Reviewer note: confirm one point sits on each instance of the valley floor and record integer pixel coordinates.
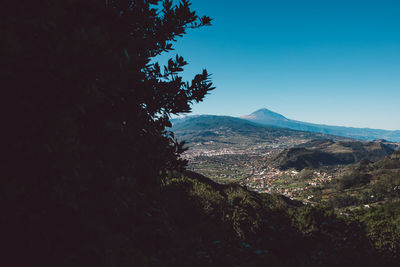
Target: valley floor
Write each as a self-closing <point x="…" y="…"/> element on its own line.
<point x="252" y="168"/>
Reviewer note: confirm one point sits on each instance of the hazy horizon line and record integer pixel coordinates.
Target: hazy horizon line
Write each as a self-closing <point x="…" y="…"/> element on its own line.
<point x="304" y="121"/>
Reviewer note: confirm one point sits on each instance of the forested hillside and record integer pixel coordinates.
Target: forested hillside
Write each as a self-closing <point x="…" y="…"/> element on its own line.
<point x="320" y="153"/>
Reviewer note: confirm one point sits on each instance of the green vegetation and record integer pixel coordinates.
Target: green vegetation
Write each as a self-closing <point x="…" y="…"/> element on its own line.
<point x="85" y="140"/>
<point x="231" y="225"/>
<point x="346" y="187"/>
<point x="93" y="178"/>
<point x="319" y="153"/>
<point x="356" y="178"/>
<point x="369" y="183"/>
<point x="305" y="174"/>
<point x="382" y="226"/>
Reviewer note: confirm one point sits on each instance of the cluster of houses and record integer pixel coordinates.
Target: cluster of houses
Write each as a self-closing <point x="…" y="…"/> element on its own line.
<point x="201" y="152"/>
<point x="273" y="180"/>
<point x="320" y="178"/>
<point x="223" y="164"/>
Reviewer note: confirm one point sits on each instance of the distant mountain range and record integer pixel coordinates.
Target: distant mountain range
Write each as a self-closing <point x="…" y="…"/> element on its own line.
<point x="267" y="117"/>
<point x="225" y="131"/>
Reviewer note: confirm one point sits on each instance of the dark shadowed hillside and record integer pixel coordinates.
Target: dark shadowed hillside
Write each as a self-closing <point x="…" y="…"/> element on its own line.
<point x="227" y="225"/>
<point x="369" y="183"/>
<point x="318" y="153"/>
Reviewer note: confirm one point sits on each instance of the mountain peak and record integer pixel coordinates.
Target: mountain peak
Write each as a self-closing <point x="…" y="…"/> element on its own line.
<point x="267" y="117"/>
<point x="265" y="114"/>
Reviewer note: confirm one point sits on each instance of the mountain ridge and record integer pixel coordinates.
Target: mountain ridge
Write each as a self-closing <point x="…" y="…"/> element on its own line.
<point x="326" y="152"/>
<point x="265" y="114"/>
<point x="229" y="130"/>
<point x="267" y="117"/>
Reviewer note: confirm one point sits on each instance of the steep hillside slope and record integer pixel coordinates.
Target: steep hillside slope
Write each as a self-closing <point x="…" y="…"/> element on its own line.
<point x="227" y="225"/>
<point x="318" y="153"/>
<point x="369" y="183"/>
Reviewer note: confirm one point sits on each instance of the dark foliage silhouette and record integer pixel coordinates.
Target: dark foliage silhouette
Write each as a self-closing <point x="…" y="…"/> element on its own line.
<point x="86" y="111"/>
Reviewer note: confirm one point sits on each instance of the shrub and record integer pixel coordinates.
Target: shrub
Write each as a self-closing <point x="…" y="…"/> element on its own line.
<point x="383" y="227"/>
<point x="305" y="174"/>
<point x="344" y="201"/>
<point x="354" y="179"/>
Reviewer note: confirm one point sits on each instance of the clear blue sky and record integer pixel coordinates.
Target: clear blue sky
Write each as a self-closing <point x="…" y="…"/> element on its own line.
<point x="324" y="61"/>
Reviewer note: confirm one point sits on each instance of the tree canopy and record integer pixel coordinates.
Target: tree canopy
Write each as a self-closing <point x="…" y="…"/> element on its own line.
<point x="87" y="107"/>
<point x="84" y="94"/>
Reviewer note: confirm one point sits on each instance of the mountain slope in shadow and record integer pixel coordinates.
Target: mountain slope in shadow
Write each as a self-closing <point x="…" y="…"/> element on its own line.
<point x="319" y="153"/>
